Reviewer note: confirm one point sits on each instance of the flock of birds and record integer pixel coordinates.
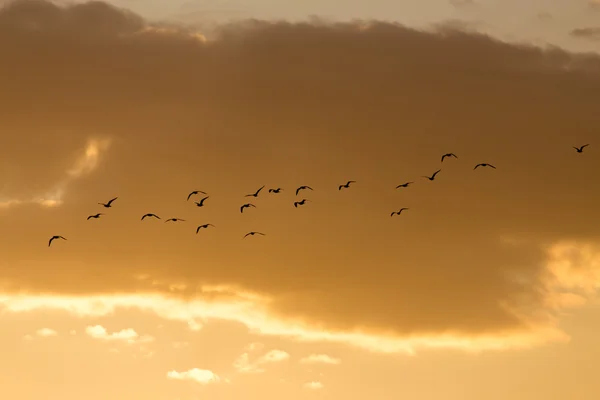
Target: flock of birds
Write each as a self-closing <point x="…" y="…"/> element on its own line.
<point x="275" y="191"/>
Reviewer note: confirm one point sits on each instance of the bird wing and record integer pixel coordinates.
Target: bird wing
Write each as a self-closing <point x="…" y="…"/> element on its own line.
<point x="478" y="165"/>
<point x="444" y="156"/>
<point x="585" y="145"/>
<point x="198" y="229"/>
<point x="260" y="233"/>
<point x="50" y="241"/>
<point x="202" y="201"/>
<point x="111" y="200"/>
<point x="297" y="190"/>
<point x="392" y="214"/>
<point x="190" y="195"/>
<point x="261" y="188"/>
<point x="308" y="187"/>
<point x="89" y="217"/>
<point x="435" y="173"/>
<point x="490" y="165"/>
<point x="247" y="234"/>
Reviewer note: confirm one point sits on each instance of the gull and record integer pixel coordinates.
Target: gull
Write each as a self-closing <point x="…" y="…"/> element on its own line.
<point x="175" y="219"/>
<point x="580" y="149"/>
<point x="55" y="237"/>
<point x="484" y="165"/>
<point x="399" y="212"/>
<point x="150" y="215"/>
<point x="302" y="188"/>
<point x="347" y="185"/>
<point x="275" y="190"/>
<point x="448" y="155"/>
<point x="432" y="177"/>
<point x="256" y="193"/>
<point x="403" y="185"/>
<point x="246" y="206"/>
<point x="300" y="203"/>
<point x="252" y="234"/>
<point x="201" y="202"/>
<point x="108" y="205"/>
<point x="195" y="192"/>
<point x="95" y="216"/>
<point x="203" y="226"/>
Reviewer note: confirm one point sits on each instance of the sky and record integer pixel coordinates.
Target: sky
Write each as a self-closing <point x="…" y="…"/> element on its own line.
<point x="485" y="287"/>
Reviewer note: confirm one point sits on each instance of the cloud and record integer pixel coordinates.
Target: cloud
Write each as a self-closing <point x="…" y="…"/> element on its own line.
<point x="586" y="33"/>
<point x="201" y="376"/>
<point x="314" y="385"/>
<point x="244" y="365"/>
<point x="469" y="266"/>
<point x="46" y="332"/>
<point x="125" y="335"/>
<point x="320" y="359"/>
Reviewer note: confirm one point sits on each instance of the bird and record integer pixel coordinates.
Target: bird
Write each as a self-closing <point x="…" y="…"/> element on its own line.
<point x="580" y="149"/>
<point x="201" y="202"/>
<point x="246" y="206"/>
<point x="252" y="234"/>
<point x="256" y="193"/>
<point x="195" y="192"/>
<point x="403" y="185"/>
<point x="55" y="237"/>
<point x="448" y="155"/>
<point x="108" y="205"/>
<point x="150" y="215"/>
<point x="300" y="203"/>
<point x="175" y="219"/>
<point x="432" y="177"/>
<point x="399" y="212"/>
<point x="302" y="188"/>
<point x="203" y="226"/>
<point x="484" y="165"/>
<point x="275" y="190"/>
<point x="95" y="216"/>
<point x="347" y="185"/>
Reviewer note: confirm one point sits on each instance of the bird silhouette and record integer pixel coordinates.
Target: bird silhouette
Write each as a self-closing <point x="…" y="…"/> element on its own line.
<point x="203" y="226"/>
<point x="252" y="234"/>
<point x="95" y="216"/>
<point x="246" y="206"/>
<point x="195" y="192"/>
<point x="346" y="186"/>
<point x="275" y="190"/>
<point x="108" y="205"/>
<point x="55" y="237"/>
<point x="256" y="193"/>
<point x="403" y="185"/>
<point x="448" y="155"/>
<point x="302" y="188"/>
<point x="484" y="165"/>
<point x="580" y="149"/>
<point x="175" y="220"/>
<point x="398" y="212"/>
<point x="201" y="202"/>
<point x="432" y="177"/>
<point x="300" y="203"/>
<point x="150" y="215"/>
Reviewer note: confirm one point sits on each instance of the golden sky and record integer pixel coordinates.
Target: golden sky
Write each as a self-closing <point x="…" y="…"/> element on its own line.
<point x="484" y="288"/>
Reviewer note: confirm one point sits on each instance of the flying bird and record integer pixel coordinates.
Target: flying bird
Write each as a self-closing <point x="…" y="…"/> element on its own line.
<point x="252" y="234"/>
<point x="195" y="192"/>
<point x="256" y="193"/>
<point x="432" y="177"/>
<point x="448" y="155"/>
<point x="95" y="216"/>
<point x="484" y="165"/>
<point x="246" y="206"/>
<point x="175" y="219"/>
<point x="203" y="226"/>
<point x="201" y="202"/>
<point x="150" y="215"/>
<point x="398" y="212"/>
<point x="347" y="185"/>
<point x="55" y="237"/>
<point x="302" y="188"/>
<point x="403" y="185"/>
<point x="300" y="203"/>
<point x="275" y="190"/>
<point x="108" y="205"/>
<point x="580" y="149"/>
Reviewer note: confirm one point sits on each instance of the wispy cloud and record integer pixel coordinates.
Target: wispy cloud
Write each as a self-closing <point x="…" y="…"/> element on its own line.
<point x="320" y="359"/>
<point x="244" y="365"/>
<point x="314" y="385"/>
<point x="46" y="332"/>
<point x="201" y="376"/>
<point x="125" y="335"/>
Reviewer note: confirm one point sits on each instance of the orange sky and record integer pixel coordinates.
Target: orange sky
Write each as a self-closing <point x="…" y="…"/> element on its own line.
<point x="484" y="288"/>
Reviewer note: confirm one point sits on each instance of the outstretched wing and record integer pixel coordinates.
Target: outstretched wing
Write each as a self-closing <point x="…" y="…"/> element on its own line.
<point x="111" y="200"/>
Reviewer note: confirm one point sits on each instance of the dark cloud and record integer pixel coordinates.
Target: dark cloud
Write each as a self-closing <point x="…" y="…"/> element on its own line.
<point x="586" y="33"/>
<point x="287" y="104"/>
